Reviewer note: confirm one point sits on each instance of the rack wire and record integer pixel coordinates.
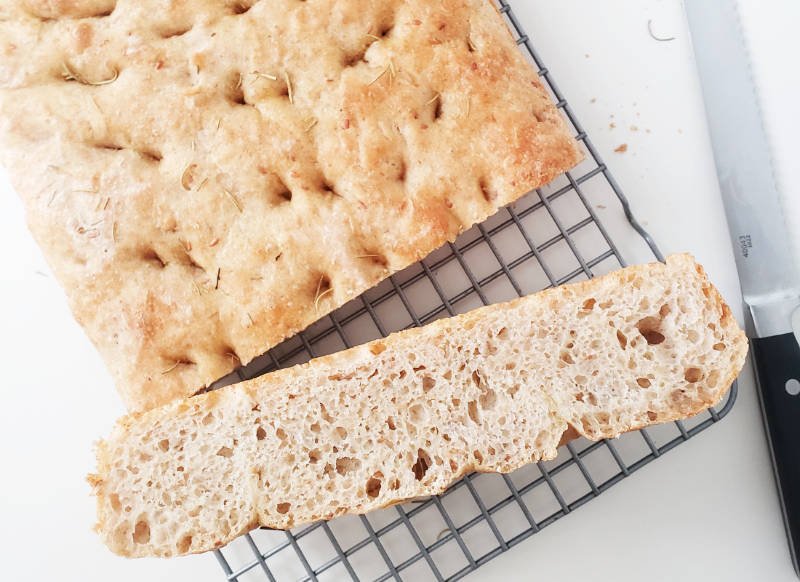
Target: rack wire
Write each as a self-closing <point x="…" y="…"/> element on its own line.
<point x="552" y="236"/>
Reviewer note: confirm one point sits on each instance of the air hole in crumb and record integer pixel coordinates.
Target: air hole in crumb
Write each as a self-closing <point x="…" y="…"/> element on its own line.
<point x="141" y="532"/>
<point x="427" y="383"/>
<point x="652" y="416"/>
<point x="487" y="399"/>
<point x="649" y="327"/>
<point x="283" y="508"/>
<point x="478" y="456"/>
<point x="315" y="427"/>
<point x="643" y="382"/>
<point x="476" y="378"/>
<point x="456" y="402"/>
<point x="719" y="346"/>
<point x="114" y="500"/>
<point x="567" y="358"/>
<point x="588" y="305"/>
<point x="390" y="423"/>
<point x="341" y="432"/>
<point x="579" y="397"/>
<point x="692" y="375"/>
<point x="664" y="311"/>
<point x="226" y="452"/>
<point x="184" y="544"/>
<point x="417" y="414"/>
<point x="374" y="485"/>
<point x="261" y="434"/>
<point x="592" y="399"/>
<point x="313" y="456"/>
<point x="472" y="410"/>
<point x="622" y="339"/>
<point x="281" y="434"/>
<point x="420" y="467"/>
<point x="344" y="465"/>
<point x="240" y="8"/>
<point x="164" y="445"/>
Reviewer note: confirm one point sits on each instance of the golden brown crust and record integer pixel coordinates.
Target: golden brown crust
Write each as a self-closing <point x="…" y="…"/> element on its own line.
<point x="156" y="146"/>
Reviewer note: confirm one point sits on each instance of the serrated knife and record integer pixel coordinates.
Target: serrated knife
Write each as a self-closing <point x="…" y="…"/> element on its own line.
<point x="767" y="271"/>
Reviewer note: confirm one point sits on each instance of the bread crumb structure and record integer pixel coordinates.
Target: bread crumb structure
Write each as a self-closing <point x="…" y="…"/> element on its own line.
<point x="403" y="417"/>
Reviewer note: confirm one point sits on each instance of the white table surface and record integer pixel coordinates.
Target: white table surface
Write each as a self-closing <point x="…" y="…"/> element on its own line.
<point x="706" y="511"/>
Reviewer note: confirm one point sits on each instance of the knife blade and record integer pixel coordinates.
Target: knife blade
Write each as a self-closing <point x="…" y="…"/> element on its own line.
<point x="768" y="274"/>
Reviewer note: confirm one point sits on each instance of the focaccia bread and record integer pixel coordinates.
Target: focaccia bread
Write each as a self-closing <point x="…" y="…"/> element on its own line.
<point x="208" y="177"/>
<point x="403" y="417"/>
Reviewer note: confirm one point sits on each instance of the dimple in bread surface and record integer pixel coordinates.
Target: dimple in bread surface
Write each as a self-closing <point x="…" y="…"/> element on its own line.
<point x="208" y="177"/>
<point x="404" y="417"/>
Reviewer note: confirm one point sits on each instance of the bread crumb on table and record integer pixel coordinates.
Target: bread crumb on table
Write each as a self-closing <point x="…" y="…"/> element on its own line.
<point x="621" y="149"/>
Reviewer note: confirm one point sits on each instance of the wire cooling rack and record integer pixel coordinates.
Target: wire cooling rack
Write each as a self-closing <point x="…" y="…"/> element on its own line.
<point x="552" y="236"/>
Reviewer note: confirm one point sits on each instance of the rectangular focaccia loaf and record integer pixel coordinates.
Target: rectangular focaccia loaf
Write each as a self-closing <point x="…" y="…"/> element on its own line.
<point x="490" y="390"/>
<point x="208" y="177"/>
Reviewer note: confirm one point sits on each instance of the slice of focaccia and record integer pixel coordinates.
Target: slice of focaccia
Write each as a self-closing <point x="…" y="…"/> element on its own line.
<point x="404" y="417"/>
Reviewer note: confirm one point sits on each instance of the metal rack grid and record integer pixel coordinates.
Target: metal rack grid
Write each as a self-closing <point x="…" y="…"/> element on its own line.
<point x="552" y="236"/>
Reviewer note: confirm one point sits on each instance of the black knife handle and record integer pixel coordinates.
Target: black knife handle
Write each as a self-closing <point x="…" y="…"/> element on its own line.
<point x="777" y="363"/>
